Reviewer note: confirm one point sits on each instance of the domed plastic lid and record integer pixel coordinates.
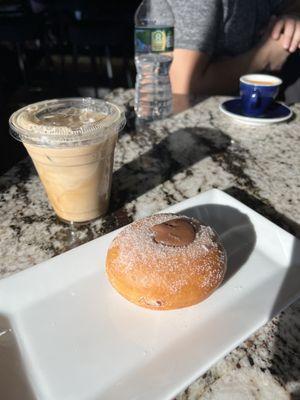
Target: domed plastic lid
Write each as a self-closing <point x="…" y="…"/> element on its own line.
<point x="66" y="122"/>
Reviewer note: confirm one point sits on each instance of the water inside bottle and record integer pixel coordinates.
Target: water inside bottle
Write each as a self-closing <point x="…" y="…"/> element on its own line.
<point x="153" y="95"/>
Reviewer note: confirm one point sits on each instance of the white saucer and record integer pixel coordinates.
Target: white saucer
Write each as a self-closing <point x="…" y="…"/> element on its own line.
<point x="277" y="113"/>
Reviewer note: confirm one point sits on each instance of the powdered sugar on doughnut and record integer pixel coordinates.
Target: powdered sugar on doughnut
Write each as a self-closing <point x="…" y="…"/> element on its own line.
<point x="172" y="266"/>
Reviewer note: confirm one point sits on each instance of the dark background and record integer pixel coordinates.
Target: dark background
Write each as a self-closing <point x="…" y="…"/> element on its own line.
<point x="57" y="48"/>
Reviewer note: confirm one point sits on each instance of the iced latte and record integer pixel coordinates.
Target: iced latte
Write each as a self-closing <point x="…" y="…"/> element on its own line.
<point x="71" y="143"/>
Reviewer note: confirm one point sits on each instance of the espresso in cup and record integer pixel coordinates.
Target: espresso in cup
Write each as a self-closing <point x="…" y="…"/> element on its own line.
<point x="71" y="143"/>
<point x="258" y="92"/>
<point x="261" y="83"/>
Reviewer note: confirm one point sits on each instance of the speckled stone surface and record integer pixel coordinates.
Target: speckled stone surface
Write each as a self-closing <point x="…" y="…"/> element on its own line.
<point x="167" y="162"/>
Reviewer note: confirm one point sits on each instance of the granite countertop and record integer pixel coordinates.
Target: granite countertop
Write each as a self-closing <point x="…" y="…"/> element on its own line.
<point x="165" y="163"/>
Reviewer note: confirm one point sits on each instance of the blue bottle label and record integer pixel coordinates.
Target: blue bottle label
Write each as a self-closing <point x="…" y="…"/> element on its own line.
<point x="154" y="40"/>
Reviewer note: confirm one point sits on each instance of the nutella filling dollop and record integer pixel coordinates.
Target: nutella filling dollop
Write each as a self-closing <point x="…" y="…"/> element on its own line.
<point x="175" y="232"/>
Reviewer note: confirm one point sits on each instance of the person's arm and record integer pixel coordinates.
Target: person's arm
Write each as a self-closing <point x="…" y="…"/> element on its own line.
<point x="193" y="72"/>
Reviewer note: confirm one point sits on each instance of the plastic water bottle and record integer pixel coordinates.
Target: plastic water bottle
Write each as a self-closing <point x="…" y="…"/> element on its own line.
<point x="154" y="44"/>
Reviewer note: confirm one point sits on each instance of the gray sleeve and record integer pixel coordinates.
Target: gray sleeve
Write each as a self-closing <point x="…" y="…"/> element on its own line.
<point x="197" y="23"/>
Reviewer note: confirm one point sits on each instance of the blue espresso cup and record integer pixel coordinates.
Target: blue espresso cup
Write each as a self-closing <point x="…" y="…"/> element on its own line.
<point x="258" y="91"/>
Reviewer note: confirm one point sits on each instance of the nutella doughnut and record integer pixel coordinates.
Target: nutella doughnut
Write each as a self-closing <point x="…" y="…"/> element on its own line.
<point x="166" y="261"/>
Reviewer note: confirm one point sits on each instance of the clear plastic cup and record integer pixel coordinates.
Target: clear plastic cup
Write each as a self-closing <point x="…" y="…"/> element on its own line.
<point x="71" y="143"/>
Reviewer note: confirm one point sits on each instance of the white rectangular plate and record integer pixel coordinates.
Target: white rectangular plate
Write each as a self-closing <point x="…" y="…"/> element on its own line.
<point x="65" y="334"/>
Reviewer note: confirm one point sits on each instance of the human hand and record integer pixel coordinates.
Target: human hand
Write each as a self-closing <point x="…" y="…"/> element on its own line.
<point x="287" y="28"/>
<point x="271" y="53"/>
